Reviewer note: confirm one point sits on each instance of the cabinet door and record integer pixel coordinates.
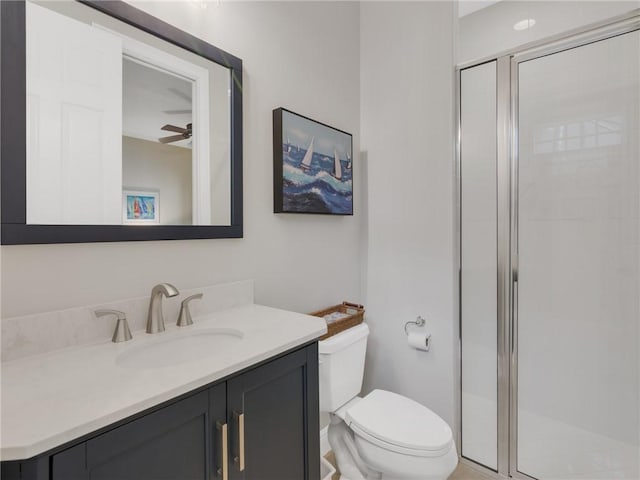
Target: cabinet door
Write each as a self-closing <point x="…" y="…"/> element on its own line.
<point x="273" y="418"/>
<point x="169" y="444"/>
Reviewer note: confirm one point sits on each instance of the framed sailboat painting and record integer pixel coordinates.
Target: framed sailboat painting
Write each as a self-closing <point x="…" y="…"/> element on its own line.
<point x="312" y="169"/>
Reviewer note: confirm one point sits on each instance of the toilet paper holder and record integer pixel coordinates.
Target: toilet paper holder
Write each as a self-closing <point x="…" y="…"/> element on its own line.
<point x="419" y="322"/>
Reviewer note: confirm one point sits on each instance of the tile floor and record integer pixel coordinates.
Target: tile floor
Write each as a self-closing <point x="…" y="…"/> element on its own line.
<point x="463" y="472"/>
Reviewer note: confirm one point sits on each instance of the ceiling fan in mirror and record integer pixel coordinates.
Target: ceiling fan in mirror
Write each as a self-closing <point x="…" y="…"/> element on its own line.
<point x="183" y="133"/>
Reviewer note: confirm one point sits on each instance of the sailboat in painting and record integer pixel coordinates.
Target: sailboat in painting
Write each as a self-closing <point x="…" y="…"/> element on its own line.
<point x="348" y="167"/>
<point x="288" y="145"/>
<point x="337" y="168"/>
<point x="306" y="161"/>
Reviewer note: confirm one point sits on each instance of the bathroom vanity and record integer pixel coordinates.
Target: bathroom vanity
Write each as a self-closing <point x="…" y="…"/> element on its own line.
<point x="167" y="406"/>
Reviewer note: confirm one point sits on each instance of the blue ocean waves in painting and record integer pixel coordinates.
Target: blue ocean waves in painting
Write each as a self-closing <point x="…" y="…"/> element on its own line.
<point x="316" y="188"/>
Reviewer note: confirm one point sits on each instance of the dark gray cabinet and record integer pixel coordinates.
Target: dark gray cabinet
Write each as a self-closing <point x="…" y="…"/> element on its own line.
<point x="273" y="411"/>
<point x="260" y="424"/>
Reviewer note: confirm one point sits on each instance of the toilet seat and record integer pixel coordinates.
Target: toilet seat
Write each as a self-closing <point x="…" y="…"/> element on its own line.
<point x="399" y="424"/>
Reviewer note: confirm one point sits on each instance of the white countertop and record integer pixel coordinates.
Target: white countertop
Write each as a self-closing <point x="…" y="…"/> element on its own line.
<point x="51" y="399"/>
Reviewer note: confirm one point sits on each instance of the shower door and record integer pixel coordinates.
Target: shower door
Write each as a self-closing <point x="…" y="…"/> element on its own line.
<point x="577" y="244"/>
<point x="549" y="183"/>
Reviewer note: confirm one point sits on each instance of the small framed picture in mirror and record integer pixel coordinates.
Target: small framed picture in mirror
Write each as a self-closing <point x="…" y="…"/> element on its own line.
<point x="312" y="170"/>
<point x="140" y="207"/>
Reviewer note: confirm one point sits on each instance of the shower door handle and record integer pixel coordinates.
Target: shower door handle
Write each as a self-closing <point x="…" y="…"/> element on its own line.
<point x="514" y="304"/>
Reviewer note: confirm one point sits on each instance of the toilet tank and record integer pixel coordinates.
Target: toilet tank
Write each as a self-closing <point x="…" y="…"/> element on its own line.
<point x="342" y="366"/>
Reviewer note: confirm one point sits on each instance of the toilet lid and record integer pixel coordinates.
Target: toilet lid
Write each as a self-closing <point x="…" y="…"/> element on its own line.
<point x="397" y="421"/>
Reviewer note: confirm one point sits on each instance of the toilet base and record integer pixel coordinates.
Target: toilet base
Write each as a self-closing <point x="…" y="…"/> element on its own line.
<point x="357" y="459"/>
<point x="342" y="444"/>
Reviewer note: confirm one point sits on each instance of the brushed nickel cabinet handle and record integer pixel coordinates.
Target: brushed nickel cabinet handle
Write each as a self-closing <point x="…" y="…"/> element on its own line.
<point x="223" y="471"/>
<point x="240" y="458"/>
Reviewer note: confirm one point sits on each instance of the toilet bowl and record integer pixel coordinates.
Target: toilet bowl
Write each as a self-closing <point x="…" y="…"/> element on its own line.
<point x="382" y="435"/>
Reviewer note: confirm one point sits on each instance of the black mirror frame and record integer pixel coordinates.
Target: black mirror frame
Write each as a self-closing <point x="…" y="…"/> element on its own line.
<point x="15" y="230"/>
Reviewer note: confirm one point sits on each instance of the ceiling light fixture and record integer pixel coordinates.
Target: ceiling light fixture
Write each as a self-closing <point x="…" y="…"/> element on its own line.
<point x="524" y="24"/>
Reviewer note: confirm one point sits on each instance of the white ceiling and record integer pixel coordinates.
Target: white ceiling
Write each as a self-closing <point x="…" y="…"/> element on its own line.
<point x="148" y="95"/>
<point x="465" y="7"/>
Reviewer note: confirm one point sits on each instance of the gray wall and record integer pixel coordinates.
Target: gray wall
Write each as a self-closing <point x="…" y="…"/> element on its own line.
<point x="387" y="66"/>
<point x="291" y="59"/>
<point x="406" y="69"/>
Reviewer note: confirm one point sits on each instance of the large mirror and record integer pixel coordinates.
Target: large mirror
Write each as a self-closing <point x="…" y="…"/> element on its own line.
<point x="115" y="126"/>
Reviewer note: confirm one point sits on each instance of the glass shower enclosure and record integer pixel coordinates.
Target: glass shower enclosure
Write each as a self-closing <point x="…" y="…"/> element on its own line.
<point x="549" y="192"/>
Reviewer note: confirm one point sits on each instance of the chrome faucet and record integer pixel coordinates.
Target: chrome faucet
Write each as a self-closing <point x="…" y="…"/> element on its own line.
<point x="155" y="319"/>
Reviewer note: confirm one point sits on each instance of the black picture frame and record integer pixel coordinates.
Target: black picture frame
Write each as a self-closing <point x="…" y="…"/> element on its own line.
<point x="306" y="178"/>
<point x="13" y="195"/>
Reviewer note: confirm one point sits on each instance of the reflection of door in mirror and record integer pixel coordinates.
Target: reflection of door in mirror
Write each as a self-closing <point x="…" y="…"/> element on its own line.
<point x="107" y="112"/>
<point x="74" y="111"/>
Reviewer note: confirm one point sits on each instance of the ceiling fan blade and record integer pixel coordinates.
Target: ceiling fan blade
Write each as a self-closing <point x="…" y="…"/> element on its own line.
<point x="172" y="138"/>
<point x="180" y="94"/>
<point x="177" y="112"/>
<point x="173" y="128"/>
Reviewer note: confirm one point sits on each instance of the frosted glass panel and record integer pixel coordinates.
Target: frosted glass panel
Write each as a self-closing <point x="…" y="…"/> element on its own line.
<point x="579" y="261"/>
<point x="478" y="263"/>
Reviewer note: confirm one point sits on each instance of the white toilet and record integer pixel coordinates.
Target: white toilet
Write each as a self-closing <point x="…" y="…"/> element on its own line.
<point x="383" y="435"/>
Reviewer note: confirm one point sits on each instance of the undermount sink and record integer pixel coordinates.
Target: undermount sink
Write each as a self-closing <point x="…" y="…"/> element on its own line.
<point x="180" y="348"/>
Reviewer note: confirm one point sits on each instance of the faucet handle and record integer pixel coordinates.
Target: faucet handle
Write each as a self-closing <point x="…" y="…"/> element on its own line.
<point x="122" y="332"/>
<point x="184" y="318"/>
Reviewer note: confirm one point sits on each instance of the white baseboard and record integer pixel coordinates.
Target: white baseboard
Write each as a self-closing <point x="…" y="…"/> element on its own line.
<point x="324" y="441"/>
